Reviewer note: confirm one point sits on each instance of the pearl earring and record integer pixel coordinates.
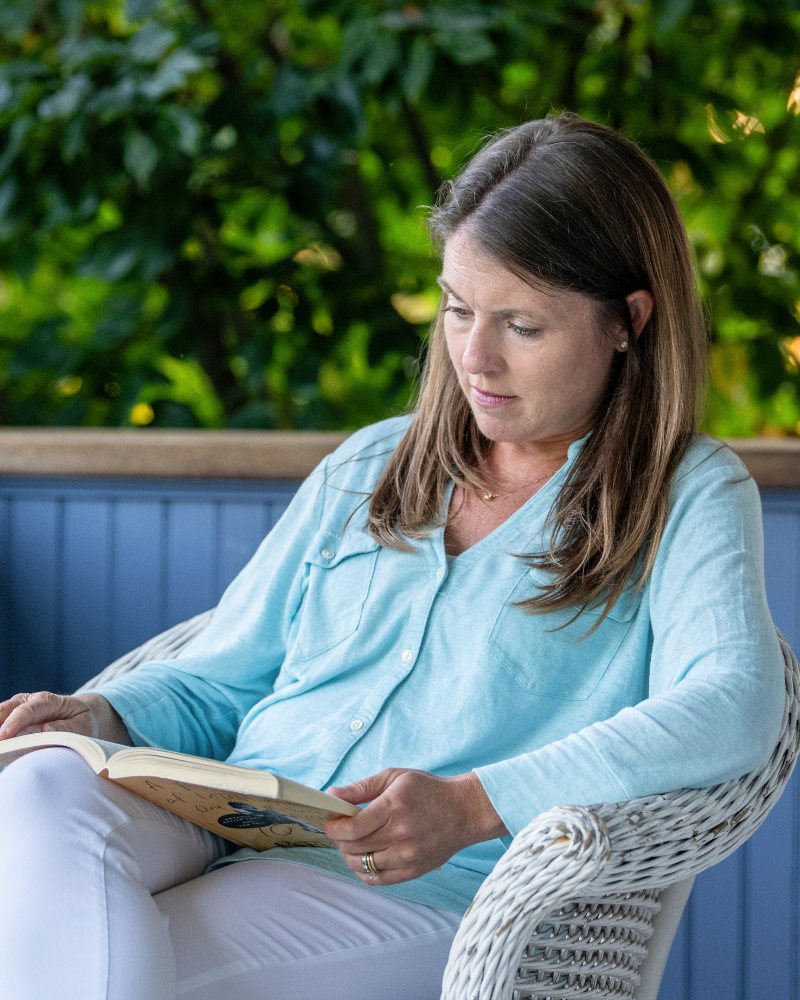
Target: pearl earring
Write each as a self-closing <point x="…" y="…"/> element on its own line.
<point x="624" y="345"/>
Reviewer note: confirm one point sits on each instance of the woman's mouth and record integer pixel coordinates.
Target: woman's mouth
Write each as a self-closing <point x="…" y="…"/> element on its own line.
<point x="489" y="400"/>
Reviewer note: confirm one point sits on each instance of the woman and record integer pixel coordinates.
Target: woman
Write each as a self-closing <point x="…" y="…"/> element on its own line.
<point x="541" y="588"/>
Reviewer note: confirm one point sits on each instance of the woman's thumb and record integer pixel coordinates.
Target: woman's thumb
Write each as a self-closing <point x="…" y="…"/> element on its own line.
<point x="366" y="789"/>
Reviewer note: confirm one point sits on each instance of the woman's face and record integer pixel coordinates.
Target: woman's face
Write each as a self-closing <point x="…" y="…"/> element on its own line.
<point x="533" y="365"/>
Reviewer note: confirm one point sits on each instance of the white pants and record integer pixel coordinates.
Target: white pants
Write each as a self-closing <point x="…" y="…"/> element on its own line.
<point x="103" y="897"/>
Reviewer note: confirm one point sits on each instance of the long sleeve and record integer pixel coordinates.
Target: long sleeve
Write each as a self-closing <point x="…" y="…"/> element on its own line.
<point x="715" y="685"/>
<point x="195" y="703"/>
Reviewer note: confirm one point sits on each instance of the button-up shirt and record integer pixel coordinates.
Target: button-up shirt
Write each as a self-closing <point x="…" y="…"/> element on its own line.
<point x="330" y="658"/>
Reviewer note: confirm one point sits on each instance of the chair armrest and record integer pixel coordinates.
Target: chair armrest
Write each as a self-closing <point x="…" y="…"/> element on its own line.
<point x="552" y="861"/>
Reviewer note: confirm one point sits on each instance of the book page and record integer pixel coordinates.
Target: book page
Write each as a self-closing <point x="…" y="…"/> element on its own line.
<point x="95" y="752"/>
<point x="255" y="821"/>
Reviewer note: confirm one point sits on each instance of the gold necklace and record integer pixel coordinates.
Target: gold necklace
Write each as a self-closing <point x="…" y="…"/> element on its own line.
<point x="493" y="496"/>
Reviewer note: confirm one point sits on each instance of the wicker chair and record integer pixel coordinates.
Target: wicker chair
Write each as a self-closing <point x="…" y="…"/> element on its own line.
<point x="586" y="901"/>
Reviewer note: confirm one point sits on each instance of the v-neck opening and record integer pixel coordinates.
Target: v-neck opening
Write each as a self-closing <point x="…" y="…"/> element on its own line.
<point x="508" y="527"/>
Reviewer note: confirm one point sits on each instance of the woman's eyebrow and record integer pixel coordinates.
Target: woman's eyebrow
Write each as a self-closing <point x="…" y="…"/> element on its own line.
<point x="495" y="312"/>
<point x="446" y="288"/>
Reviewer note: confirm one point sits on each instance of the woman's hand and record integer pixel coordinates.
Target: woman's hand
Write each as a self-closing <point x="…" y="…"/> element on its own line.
<point x="415" y="821"/>
<point x="44" y="712"/>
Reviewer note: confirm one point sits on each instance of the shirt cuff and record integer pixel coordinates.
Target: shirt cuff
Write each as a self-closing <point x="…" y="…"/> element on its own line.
<point x="568" y="772"/>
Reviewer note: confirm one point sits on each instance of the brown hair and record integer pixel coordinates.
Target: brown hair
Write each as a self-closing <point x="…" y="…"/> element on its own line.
<point x="567" y="203"/>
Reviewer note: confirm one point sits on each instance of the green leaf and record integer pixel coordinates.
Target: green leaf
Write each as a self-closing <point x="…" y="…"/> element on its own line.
<point x="71" y="14"/>
<point x="8" y="192"/>
<point x="150" y="43"/>
<point x="74" y="139"/>
<point x="418" y="68"/>
<point x="190" y="385"/>
<point x="382" y="57"/>
<point x="111" y="102"/>
<point x="172" y="73"/>
<point x="16" y="138"/>
<point x="140" y="156"/>
<point x="138" y="10"/>
<point x="16" y="18"/>
<point x="672" y="13"/>
<point x="6" y="94"/>
<point x="66" y="101"/>
<point x="291" y="92"/>
<point x="188" y="128"/>
<point x="466" y="47"/>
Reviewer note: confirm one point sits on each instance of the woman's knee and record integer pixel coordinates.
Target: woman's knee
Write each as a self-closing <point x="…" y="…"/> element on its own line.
<point x="38" y="791"/>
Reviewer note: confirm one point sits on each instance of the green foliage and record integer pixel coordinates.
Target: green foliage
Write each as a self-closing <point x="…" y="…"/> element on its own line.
<point x="210" y="210"/>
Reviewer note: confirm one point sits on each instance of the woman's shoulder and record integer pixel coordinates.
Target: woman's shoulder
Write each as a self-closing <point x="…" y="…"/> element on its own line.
<point x="356" y="465"/>
<point x="371" y="445"/>
<point x="709" y="467"/>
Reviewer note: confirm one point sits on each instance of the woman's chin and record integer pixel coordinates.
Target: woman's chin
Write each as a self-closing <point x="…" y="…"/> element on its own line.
<point x="497" y="427"/>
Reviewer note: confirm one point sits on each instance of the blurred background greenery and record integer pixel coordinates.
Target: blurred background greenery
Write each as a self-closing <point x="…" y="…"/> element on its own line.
<point x="212" y="212"/>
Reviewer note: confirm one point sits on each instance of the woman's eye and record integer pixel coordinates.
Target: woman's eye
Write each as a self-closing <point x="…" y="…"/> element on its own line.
<point x="457" y="310"/>
<point x="524" y="331"/>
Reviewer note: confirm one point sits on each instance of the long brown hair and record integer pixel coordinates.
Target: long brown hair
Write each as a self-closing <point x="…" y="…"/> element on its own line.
<point x="567" y="203"/>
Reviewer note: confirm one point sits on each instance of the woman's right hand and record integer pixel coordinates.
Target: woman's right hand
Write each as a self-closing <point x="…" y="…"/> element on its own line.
<point x="45" y="712"/>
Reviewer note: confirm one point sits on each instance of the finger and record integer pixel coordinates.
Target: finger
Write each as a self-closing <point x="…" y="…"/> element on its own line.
<point x="7" y="707"/>
<point x="390" y="877"/>
<point x="39" y="708"/>
<point x="384" y="861"/>
<point x="366" y="789"/>
<point x="355" y="828"/>
<point x="59" y="727"/>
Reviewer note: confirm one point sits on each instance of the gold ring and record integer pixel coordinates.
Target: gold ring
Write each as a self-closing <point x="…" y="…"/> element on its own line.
<point x="368" y="864"/>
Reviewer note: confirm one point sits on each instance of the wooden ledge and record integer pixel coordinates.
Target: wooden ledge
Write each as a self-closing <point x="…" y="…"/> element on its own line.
<point x="772" y="462"/>
<point x="169" y="454"/>
<point x="199" y="454"/>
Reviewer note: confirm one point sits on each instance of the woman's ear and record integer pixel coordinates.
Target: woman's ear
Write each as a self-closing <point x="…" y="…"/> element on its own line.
<point x="640" y="306"/>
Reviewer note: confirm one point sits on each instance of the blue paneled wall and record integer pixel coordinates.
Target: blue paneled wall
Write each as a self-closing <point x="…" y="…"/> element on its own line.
<point x="91" y="568"/>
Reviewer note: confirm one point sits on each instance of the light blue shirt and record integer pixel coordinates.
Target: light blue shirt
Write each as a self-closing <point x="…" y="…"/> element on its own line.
<point x="330" y="658"/>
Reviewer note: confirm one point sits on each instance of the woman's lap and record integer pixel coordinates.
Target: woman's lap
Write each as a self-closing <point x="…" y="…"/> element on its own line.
<point x="313" y="934"/>
<point x="104" y="897"/>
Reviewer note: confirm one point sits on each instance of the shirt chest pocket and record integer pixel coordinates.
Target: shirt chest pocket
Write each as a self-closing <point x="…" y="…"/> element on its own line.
<point x="339" y="572"/>
<point x="554" y="661"/>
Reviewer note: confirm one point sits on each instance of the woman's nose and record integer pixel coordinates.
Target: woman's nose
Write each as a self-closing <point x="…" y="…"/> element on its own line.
<point x="479" y="357"/>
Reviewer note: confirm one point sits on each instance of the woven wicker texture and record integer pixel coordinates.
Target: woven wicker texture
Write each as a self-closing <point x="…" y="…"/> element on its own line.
<point x="567" y="911"/>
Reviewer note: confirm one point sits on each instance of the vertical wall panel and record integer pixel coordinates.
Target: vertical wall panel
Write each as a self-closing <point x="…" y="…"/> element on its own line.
<point x="769" y="906"/>
<point x="716" y="940"/>
<point x="675" y="983"/>
<point x="5" y="595"/>
<point x="139" y="574"/>
<point x="273" y="512"/>
<point x="241" y="532"/>
<point x="781" y="544"/>
<point x="35" y="565"/>
<point x="192" y="558"/>
<point x="88" y="594"/>
<point x="90" y="569"/>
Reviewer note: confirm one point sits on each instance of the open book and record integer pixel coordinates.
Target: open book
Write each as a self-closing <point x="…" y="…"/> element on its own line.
<point x="250" y="807"/>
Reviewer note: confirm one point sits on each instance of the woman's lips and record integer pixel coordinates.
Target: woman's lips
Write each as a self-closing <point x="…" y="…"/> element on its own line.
<point x="489" y="399"/>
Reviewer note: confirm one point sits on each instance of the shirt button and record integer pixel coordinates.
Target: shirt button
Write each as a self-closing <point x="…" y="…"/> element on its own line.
<point x="407" y="654"/>
<point x="356" y="724"/>
<point x="328" y="553"/>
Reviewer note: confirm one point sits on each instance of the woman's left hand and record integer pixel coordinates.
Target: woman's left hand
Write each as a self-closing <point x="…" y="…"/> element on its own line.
<point x="415" y="821"/>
